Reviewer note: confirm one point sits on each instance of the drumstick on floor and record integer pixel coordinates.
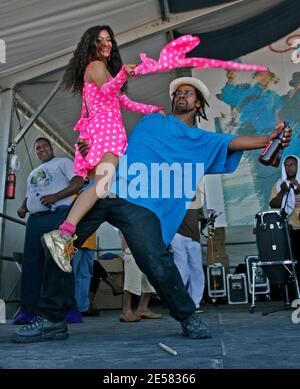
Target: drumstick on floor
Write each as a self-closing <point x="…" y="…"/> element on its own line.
<point x="168" y="349"/>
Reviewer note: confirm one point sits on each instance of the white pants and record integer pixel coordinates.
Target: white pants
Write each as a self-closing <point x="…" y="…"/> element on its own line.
<point x="135" y="281"/>
<point x="188" y="259"/>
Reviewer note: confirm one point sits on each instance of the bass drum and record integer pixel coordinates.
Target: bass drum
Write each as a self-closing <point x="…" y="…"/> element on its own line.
<point x="272" y="244"/>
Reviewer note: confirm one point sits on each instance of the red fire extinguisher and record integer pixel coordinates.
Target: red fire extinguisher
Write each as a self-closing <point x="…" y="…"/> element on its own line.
<point x="10" y="188"/>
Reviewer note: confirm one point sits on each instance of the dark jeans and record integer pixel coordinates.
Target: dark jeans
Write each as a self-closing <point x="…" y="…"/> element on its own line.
<point x="142" y="231"/>
<point x="33" y="260"/>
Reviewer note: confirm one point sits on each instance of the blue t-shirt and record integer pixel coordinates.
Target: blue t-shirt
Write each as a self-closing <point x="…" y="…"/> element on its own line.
<point x="163" y="164"/>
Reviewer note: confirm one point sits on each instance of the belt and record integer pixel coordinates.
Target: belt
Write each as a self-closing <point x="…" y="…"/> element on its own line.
<point x="58" y="209"/>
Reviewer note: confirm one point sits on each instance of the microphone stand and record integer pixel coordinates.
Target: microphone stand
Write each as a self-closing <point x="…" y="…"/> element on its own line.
<point x="284" y="221"/>
<point x="283" y="212"/>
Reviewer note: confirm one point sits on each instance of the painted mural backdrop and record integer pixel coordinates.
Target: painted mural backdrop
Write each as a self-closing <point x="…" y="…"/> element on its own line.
<point x="252" y="104"/>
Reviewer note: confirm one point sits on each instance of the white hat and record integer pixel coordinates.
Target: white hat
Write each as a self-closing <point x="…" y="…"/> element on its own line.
<point x="199" y="85"/>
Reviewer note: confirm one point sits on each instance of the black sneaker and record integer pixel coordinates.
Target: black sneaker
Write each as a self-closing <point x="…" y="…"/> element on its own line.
<point x="41" y="330"/>
<point x="91" y="312"/>
<point x="193" y="327"/>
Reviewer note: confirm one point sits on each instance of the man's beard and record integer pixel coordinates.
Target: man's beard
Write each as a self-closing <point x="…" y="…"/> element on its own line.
<point x="182" y="108"/>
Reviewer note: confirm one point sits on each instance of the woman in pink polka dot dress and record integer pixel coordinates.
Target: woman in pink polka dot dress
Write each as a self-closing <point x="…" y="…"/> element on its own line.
<point x="97" y="72"/>
<point x="101" y="120"/>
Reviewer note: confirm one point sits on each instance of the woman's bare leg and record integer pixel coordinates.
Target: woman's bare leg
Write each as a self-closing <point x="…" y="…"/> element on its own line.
<point x="104" y="175"/>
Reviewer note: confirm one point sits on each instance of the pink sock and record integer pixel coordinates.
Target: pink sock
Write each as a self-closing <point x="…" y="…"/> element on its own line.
<point x="67" y="228"/>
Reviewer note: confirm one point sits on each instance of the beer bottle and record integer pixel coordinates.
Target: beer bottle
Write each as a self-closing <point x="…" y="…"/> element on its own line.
<point x="271" y="154"/>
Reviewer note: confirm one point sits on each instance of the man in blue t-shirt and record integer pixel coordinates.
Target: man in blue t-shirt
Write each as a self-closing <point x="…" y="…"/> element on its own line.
<point x="148" y="206"/>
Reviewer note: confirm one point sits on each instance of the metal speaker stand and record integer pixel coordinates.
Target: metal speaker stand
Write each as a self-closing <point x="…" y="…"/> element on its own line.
<point x="293" y="276"/>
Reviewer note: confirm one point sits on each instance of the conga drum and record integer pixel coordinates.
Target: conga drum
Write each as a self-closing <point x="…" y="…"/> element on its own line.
<point x="272" y="244"/>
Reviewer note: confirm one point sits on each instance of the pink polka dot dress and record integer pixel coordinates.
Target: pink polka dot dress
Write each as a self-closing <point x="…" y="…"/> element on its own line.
<point x="173" y="56"/>
<point x="101" y="121"/>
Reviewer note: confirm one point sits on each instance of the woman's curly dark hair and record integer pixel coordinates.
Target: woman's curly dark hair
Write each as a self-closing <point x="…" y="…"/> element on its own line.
<point x="86" y="52"/>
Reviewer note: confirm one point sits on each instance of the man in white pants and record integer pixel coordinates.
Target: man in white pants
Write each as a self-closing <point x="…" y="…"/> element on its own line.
<point x="187" y="252"/>
<point x="135" y="283"/>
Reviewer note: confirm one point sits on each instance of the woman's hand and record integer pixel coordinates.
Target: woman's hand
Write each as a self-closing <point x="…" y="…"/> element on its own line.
<point x="129" y="69"/>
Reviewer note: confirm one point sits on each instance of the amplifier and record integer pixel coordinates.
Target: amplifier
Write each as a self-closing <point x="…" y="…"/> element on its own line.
<point x="237" y="288"/>
<point x="216" y="280"/>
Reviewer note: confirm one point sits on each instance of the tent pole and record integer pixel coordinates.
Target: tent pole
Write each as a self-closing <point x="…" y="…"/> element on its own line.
<point x="44" y="127"/>
<point x="34" y="116"/>
<point x="6" y="102"/>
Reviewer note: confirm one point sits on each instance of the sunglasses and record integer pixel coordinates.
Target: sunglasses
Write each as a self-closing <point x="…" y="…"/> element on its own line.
<point x="186" y="93"/>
